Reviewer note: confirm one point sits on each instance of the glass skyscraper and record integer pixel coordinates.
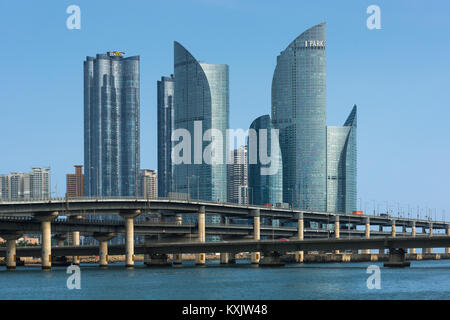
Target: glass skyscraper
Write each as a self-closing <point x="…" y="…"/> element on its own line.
<point x="341" y="166"/>
<point x="299" y="112"/>
<point x="111" y="124"/>
<point x="264" y="189"/>
<point x="165" y="128"/>
<point x="201" y="97"/>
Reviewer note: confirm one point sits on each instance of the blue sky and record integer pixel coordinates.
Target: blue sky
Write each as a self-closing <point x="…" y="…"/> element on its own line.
<point x="398" y="76"/>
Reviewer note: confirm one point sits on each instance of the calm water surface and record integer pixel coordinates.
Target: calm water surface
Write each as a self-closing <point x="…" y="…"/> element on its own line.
<point x="423" y="280"/>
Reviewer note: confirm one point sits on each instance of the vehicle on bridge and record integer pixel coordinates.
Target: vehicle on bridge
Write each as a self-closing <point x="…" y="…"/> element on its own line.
<point x="358" y="213"/>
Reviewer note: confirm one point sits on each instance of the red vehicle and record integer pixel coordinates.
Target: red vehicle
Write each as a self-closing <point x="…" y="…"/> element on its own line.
<point x="268" y="205"/>
<point x="358" y="213"/>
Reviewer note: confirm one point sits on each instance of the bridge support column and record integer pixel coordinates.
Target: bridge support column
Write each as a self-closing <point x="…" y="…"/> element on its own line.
<point x="103" y="247"/>
<point x="413" y="234"/>
<point x="336" y="230"/>
<point x="255" y="213"/>
<point x="393" y="233"/>
<point x="178" y="257"/>
<point x="46" y="241"/>
<point x="200" y="258"/>
<point x="397" y="259"/>
<point x="271" y="259"/>
<point x="76" y="240"/>
<point x="60" y="239"/>
<point x="129" y="236"/>
<point x="367" y="234"/>
<point x="447" y="250"/>
<point x="430" y="250"/>
<point x="11" y="238"/>
<point x="224" y="257"/>
<point x="299" y="255"/>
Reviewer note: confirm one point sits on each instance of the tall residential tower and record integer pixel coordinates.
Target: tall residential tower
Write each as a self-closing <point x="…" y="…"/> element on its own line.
<point x="111" y="125"/>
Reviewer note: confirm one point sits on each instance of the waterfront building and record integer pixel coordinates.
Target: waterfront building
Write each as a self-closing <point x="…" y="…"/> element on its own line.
<point x="264" y="189"/>
<point x="299" y="112"/>
<point x="165" y="127"/>
<point x="341" y="166"/>
<point x="34" y="185"/>
<point x="201" y="101"/>
<point x="111" y="124"/>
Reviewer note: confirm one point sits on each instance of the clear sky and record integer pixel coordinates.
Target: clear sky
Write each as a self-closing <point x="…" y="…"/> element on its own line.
<point x="398" y="76"/>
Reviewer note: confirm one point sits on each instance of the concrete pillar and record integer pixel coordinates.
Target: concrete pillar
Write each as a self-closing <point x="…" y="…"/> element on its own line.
<point x="299" y="255"/>
<point x="129" y="236"/>
<point x="337" y="230"/>
<point x="224" y="257"/>
<point x="103" y="247"/>
<point x="393" y="234"/>
<point x="178" y="257"/>
<point x="76" y="239"/>
<point x="11" y="238"/>
<point x="200" y="258"/>
<point x="255" y="213"/>
<point x="430" y="250"/>
<point x="447" y="250"/>
<point x="413" y="234"/>
<point x="60" y="239"/>
<point x="46" y="242"/>
<point x="367" y="234"/>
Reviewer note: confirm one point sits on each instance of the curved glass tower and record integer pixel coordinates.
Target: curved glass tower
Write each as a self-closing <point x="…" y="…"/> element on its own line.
<point x="341" y="166"/>
<point x="111" y="125"/>
<point x="201" y="102"/>
<point x="299" y="112"/>
<point x="264" y="189"/>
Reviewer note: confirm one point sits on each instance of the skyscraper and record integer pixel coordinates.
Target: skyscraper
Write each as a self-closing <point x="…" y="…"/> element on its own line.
<point x="201" y="110"/>
<point x="299" y="112"/>
<point x="341" y="166"/>
<point x="111" y="124"/>
<point x="238" y="176"/>
<point x="165" y="128"/>
<point x="75" y="183"/>
<point x="264" y="188"/>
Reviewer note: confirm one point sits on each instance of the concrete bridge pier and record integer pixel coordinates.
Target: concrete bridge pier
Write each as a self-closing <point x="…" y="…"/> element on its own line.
<point x="413" y="233"/>
<point x="178" y="257"/>
<point x="76" y="240"/>
<point x="224" y="258"/>
<point x="129" y="216"/>
<point x="60" y="238"/>
<point x="103" y="238"/>
<point x="200" y="258"/>
<point x="271" y="259"/>
<point x="255" y="213"/>
<point x="430" y="250"/>
<point x="11" y="238"/>
<point x="367" y="234"/>
<point x="299" y="255"/>
<point x="336" y="230"/>
<point x="46" y="242"/>
<point x="447" y="250"/>
<point x="393" y="232"/>
<point x="397" y="259"/>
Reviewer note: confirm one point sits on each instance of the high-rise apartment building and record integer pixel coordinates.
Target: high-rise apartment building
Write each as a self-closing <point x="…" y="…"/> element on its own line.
<point x="299" y="112"/>
<point x="264" y="189"/>
<point x="34" y="185"/>
<point x="75" y="183"/>
<point x="201" y="108"/>
<point x="148" y="184"/>
<point x="165" y="128"/>
<point x="238" y="176"/>
<point x="111" y="125"/>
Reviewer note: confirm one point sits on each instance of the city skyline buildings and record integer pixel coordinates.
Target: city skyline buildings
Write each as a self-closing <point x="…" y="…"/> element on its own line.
<point x="111" y="124"/>
<point x="34" y="185"/>
<point x="201" y="108"/>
